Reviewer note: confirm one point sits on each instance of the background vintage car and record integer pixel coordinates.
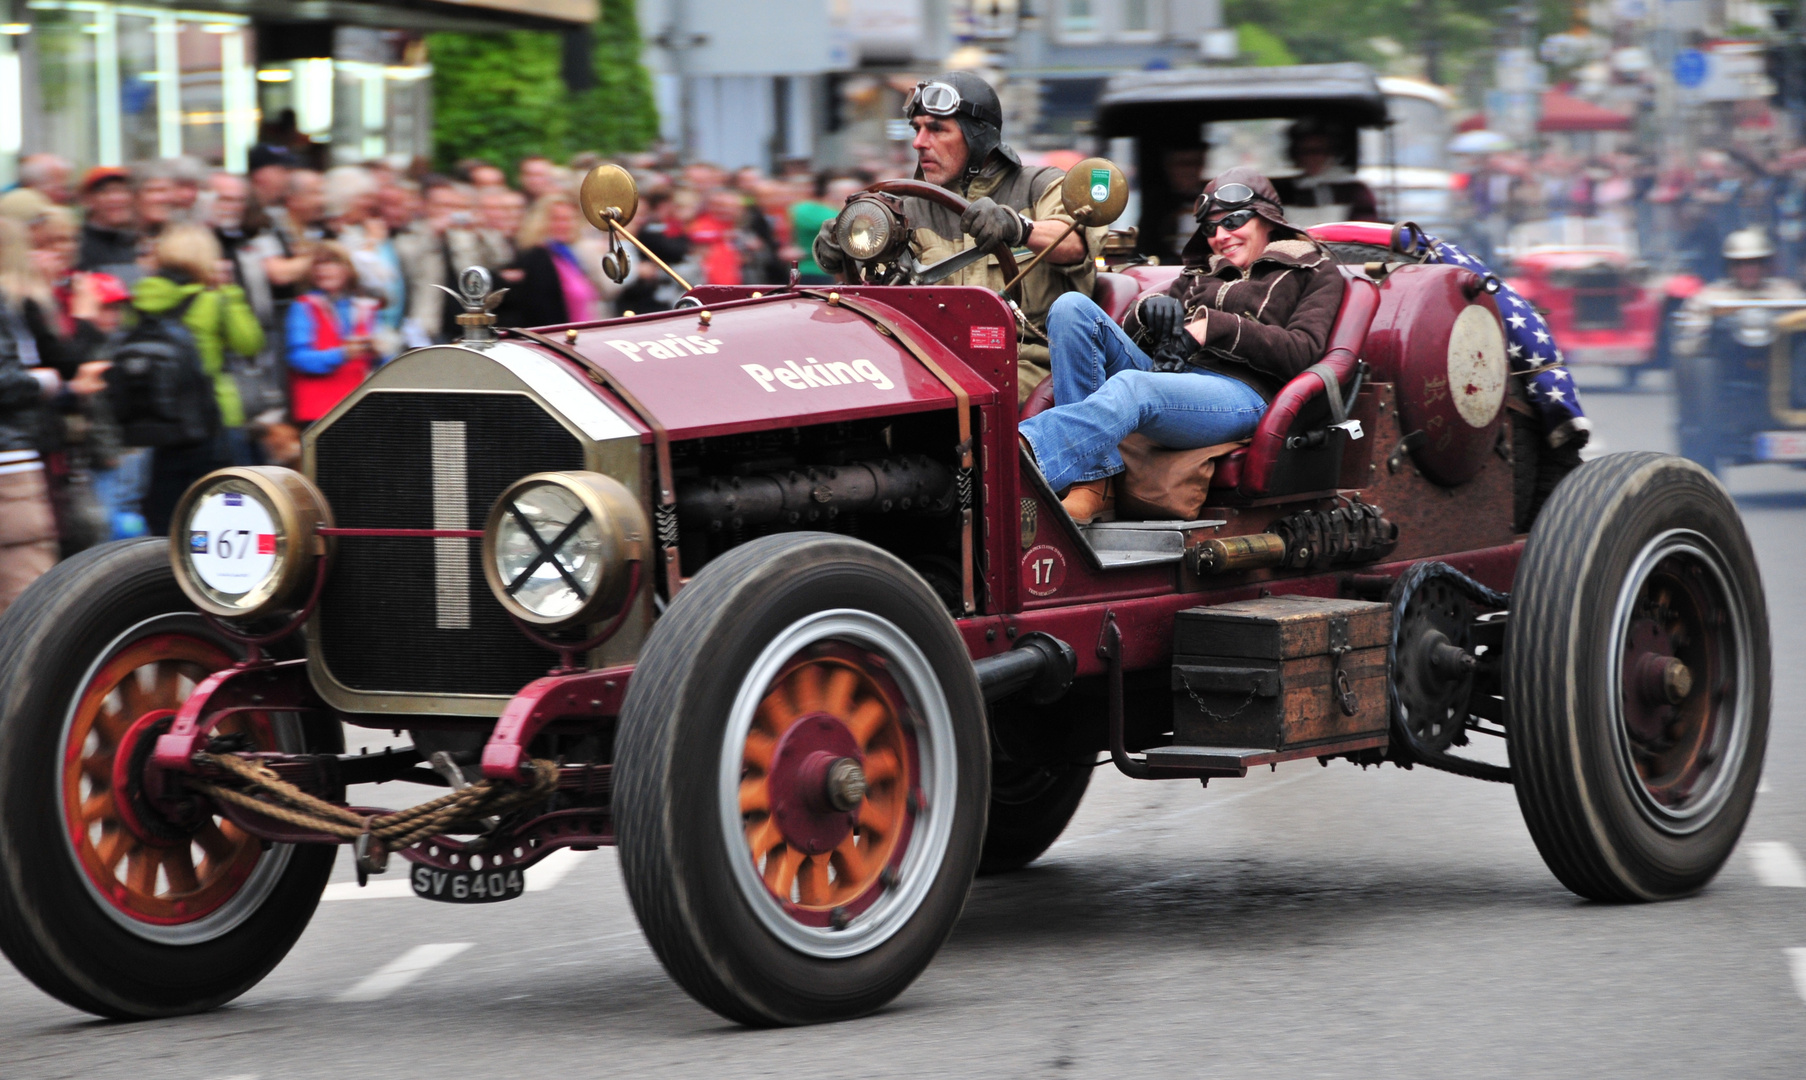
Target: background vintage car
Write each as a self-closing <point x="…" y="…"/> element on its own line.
<point x="1601" y="302"/>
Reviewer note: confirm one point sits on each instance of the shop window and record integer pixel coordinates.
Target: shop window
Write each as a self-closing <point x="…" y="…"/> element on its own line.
<point x="1078" y="19"/>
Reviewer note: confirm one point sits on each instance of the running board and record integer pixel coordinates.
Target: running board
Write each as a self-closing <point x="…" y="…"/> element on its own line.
<point x="1235" y="761"/>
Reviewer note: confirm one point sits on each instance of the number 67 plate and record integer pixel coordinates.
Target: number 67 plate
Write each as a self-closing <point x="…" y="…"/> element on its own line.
<point x="467" y="886"/>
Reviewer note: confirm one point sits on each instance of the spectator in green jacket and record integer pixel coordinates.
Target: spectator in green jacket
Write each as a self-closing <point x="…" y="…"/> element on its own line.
<point x="191" y="269"/>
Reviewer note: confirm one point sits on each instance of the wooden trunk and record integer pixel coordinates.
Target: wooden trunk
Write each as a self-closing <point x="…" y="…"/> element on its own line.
<point x="1281" y="672"/>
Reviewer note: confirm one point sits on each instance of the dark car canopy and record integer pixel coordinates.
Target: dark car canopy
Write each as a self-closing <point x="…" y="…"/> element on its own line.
<point x="1161" y="104"/>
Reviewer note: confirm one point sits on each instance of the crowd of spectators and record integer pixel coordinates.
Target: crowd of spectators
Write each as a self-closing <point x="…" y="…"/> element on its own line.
<point x="286" y="286"/>
<point x="1680" y="210"/>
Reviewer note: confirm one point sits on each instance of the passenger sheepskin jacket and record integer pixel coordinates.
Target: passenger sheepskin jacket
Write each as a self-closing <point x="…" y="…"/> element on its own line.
<point x="1263" y="327"/>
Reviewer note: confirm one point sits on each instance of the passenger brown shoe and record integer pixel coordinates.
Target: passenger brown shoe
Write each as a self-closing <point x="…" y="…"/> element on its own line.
<point x="1091" y="500"/>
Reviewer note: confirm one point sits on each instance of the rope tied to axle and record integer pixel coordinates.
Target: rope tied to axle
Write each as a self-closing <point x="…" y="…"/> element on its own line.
<point x="256" y="787"/>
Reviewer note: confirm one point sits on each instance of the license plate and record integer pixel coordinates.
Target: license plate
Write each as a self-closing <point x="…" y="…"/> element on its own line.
<point x="467" y="886"/>
<point x="1781" y="446"/>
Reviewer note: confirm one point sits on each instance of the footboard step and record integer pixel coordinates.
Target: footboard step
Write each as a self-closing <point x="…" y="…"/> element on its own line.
<point x="1237" y="760"/>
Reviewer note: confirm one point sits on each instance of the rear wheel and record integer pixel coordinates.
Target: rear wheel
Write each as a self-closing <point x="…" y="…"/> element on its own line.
<point x="800" y="773"/>
<point x="106" y="903"/>
<point x="1637" y="679"/>
<point x="1031" y="804"/>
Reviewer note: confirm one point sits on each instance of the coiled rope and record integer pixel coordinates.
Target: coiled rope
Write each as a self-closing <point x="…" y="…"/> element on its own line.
<point x="257" y="788"/>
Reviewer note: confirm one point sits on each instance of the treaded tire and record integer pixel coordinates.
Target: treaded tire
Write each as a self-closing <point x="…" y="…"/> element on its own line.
<point x="1568" y="687"/>
<point x="1026" y="817"/>
<point x="706" y="927"/>
<point x="52" y="926"/>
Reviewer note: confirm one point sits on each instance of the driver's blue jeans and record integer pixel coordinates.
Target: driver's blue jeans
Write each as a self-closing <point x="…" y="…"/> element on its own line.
<point x="1105" y="389"/>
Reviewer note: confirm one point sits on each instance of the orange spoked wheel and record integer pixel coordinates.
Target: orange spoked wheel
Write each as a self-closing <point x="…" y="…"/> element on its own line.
<point x="801" y="773"/>
<point x="827" y="787"/>
<point x="154" y="871"/>
<point x="124" y="897"/>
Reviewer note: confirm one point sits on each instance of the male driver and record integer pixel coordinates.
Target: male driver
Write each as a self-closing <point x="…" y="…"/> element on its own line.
<point x="959" y="130"/>
<point x="1747" y="254"/>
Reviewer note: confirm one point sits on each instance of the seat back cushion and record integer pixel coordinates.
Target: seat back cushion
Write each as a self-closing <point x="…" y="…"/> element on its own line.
<point x="1116" y="294"/>
<point x="1295" y="399"/>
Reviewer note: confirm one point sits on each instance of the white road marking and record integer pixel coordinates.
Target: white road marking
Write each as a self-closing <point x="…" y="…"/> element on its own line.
<point x="381" y="889"/>
<point x="1762" y="785"/>
<point x="550" y="870"/>
<point x="403" y="970"/>
<point x="1796" y="959"/>
<point x="1777" y="863"/>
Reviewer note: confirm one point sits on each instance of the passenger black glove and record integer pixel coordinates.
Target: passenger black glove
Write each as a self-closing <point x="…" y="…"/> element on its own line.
<point x="989" y="224"/>
<point x="1163" y="317"/>
<point x="828" y="255"/>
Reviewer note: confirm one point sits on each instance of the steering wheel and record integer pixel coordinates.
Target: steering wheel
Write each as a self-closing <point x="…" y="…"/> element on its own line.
<point x="934" y="193"/>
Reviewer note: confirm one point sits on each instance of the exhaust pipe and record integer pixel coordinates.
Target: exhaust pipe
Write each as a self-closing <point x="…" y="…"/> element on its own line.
<point x="1041" y="664"/>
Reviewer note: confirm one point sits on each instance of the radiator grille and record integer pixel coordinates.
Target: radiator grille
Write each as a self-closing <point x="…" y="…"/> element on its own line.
<point x="407" y="615"/>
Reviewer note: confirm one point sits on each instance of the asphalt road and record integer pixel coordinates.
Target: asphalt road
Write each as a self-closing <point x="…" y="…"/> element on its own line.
<point x="1307" y="922"/>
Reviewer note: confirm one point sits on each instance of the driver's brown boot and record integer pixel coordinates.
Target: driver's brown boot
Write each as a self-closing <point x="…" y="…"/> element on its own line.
<point x="1091" y="500"/>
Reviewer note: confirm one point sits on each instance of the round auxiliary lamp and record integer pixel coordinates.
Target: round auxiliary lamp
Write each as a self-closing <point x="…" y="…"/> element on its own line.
<point x="244" y="541"/>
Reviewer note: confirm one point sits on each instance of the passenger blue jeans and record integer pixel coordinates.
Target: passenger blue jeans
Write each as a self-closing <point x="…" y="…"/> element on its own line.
<point x="1104" y="389"/>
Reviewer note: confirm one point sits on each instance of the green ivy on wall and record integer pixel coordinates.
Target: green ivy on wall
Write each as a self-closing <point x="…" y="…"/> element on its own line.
<point x="502" y="97"/>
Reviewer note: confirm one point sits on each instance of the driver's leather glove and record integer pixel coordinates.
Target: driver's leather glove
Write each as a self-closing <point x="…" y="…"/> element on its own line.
<point x="989" y="224"/>
<point x="1163" y="317"/>
<point x="828" y="255"/>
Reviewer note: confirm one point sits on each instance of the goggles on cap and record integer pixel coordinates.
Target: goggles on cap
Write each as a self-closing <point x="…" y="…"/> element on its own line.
<point x="1227" y="197"/>
<point x="933" y="98"/>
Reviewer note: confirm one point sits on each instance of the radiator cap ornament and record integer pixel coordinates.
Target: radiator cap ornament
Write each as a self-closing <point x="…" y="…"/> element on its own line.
<point x="479" y="303"/>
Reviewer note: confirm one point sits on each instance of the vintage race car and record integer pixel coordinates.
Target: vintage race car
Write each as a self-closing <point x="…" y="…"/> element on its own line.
<point x="1741" y="399"/>
<point x="763" y="591"/>
<point x="1584" y="276"/>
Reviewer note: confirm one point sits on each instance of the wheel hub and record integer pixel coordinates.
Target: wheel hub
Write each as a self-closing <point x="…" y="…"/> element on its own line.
<point x="817" y="783"/>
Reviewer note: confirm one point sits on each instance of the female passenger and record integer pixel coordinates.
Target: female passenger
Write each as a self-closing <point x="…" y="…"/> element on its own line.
<point x="1253" y="308"/>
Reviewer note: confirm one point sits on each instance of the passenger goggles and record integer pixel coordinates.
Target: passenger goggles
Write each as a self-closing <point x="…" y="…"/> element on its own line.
<point x="1227" y="197"/>
<point x="933" y="98"/>
<point x="1231" y="222"/>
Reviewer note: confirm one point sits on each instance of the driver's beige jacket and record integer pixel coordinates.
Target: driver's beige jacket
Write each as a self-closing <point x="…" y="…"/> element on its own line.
<point x="1044" y="284"/>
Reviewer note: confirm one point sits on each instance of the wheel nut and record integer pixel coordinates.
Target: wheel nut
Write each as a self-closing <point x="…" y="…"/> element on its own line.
<point x="1677" y="681"/>
<point x="845" y="784"/>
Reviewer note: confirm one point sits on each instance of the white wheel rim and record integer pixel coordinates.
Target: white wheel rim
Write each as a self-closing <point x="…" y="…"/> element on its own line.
<point x="938" y="776"/>
<point x="1702" y="808"/>
<point x="270" y="865"/>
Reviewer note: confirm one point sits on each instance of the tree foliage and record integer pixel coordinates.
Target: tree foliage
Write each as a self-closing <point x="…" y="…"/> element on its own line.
<point x="1326" y="31"/>
<point x="502" y="96"/>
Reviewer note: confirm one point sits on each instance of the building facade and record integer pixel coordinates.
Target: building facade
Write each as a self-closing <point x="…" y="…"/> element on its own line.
<point x="104" y="83"/>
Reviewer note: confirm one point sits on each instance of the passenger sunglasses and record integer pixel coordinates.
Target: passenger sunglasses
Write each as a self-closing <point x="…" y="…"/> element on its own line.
<point x="1230" y="222"/>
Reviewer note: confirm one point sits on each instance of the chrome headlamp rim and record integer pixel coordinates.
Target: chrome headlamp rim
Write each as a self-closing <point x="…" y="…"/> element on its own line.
<point x="878" y="217"/>
<point x="297" y="511"/>
<point x="620" y="524"/>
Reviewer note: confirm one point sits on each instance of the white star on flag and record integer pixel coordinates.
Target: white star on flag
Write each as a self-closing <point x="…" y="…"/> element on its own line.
<point x="1542" y="337"/>
<point x="1558" y="372"/>
<point x="1536" y="359"/>
<point x="1517" y="351"/>
<point x="1516" y="321"/>
<point x="1518" y="301"/>
<point x="1555" y="394"/>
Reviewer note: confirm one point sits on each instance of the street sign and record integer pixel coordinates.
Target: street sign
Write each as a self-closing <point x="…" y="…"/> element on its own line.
<point x="1690" y="68"/>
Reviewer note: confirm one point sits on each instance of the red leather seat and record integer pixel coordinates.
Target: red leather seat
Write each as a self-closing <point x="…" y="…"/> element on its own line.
<point x="1249" y="470"/>
<point x="1116" y="294"/>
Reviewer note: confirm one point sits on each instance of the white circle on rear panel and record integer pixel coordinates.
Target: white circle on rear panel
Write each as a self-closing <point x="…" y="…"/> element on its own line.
<point x="1477" y="366"/>
<point x="232" y="542"/>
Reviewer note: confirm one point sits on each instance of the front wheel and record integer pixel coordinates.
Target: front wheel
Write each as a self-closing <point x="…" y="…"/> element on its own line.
<point x="801" y="772"/>
<point x="1637" y="679"/>
<point x="104" y="903"/>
